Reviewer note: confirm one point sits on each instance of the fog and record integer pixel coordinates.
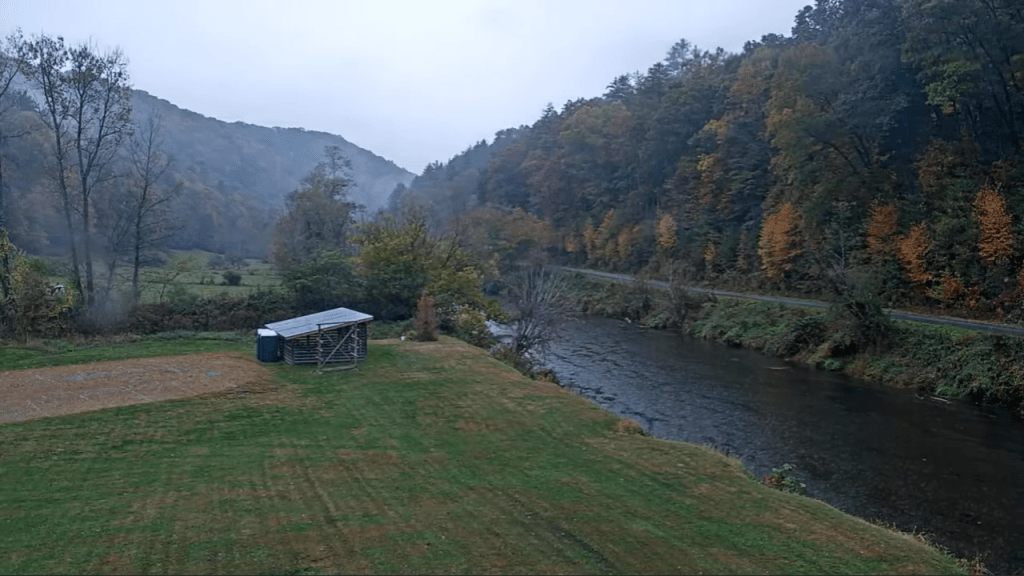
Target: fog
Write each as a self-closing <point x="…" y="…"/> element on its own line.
<point x="411" y="81"/>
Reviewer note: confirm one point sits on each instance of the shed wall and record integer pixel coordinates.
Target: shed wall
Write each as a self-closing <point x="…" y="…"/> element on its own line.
<point x="304" y="349"/>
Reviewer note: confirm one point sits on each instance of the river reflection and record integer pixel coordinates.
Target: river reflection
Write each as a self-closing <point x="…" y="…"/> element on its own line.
<point x="949" y="469"/>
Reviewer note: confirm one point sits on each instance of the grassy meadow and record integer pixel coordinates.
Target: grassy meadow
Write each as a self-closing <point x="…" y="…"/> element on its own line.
<point x="189" y="271"/>
<point x="205" y="280"/>
<point x="430" y="458"/>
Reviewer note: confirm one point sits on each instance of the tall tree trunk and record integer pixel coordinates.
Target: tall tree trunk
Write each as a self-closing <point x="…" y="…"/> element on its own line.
<point x="69" y="220"/>
<point x="90" y="296"/>
<point x="111" y="269"/>
<point x="5" y="261"/>
<point x="137" y="257"/>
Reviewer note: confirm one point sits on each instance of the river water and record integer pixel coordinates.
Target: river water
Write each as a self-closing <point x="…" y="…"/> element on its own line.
<point x="952" y="470"/>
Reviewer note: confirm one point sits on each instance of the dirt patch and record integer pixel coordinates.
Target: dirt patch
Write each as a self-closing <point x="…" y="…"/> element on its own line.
<point x="42" y="392"/>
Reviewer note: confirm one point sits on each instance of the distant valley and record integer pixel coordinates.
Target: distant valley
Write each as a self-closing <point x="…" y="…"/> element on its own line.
<point x="265" y="162"/>
<point x="231" y="178"/>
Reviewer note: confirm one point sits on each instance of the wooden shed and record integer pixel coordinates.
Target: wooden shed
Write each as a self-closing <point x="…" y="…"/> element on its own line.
<point x="337" y="335"/>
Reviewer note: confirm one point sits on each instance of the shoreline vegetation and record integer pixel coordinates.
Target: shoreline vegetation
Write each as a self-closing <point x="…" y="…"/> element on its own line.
<point x="432" y="457"/>
<point x="941" y="361"/>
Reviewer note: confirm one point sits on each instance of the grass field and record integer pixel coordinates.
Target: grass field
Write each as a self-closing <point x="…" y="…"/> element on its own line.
<point x="196" y="276"/>
<point x="43" y="353"/>
<point x="430" y="458"/>
<point x="204" y="280"/>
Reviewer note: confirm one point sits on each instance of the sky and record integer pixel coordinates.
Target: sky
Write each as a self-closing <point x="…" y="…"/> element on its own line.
<point x="414" y="81"/>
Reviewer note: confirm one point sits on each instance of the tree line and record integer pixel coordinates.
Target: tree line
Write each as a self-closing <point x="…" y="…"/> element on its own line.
<point x="874" y="150"/>
<point x="86" y="178"/>
<point x="104" y="170"/>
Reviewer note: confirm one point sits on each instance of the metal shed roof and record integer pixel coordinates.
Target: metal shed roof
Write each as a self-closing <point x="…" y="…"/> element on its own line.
<point x="326" y="320"/>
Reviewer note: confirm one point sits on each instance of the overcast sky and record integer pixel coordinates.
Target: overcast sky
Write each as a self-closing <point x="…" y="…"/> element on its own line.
<point x="412" y="81"/>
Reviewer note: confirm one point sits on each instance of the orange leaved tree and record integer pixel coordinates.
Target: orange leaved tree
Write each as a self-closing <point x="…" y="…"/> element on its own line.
<point x="666" y="233"/>
<point x="995" y="240"/>
<point x="881" y="230"/>
<point x="912" y="248"/>
<point x="779" y="243"/>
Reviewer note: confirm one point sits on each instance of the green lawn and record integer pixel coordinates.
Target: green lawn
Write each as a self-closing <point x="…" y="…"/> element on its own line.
<point x="430" y="458"/>
<point x="43" y="353"/>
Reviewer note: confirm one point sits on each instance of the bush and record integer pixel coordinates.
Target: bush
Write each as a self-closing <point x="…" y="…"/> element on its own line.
<point x="784" y="479"/>
<point x="380" y="330"/>
<point x="232" y="278"/>
<point x="507" y="354"/>
<point x="32" y="307"/>
<point x="805" y="333"/>
<point x="633" y="301"/>
<point x="858" y="322"/>
<point x="471" y="326"/>
<point x="217" y="313"/>
<point x="425" y="324"/>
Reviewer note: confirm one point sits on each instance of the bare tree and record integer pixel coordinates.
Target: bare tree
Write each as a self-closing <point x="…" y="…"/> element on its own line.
<point x="49" y="58"/>
<point x="87" y="107"/>
<point x="148" y="200"/>
<point x="113" y="215"/>
<point x="540" y="303"/>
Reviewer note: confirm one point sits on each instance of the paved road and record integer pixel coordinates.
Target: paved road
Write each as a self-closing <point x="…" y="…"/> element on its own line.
<point x="989" y="327"/>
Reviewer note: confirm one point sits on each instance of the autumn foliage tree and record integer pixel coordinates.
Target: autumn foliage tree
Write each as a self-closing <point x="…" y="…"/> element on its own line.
<point x="606" y="242"/>
<point x="399" y="258"/>
<point x="666" y="233"/>
<point x="627" y="243"/>
<point x="995" y="241"/>
<point x="509" y="236"/>
<point x="425" y="323"/>
<point x="808" y="150"/>
<point x="912" y="249"/>
<point x="881" y="231"/>
<point x="779" y="243"/>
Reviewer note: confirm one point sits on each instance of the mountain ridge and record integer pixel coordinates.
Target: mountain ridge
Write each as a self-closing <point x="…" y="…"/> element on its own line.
<point x="231" y="178"/>
<point x="374" y="176"/>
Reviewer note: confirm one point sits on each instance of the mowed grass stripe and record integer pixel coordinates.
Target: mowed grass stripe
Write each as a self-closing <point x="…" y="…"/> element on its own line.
<point x="431" y="458"/>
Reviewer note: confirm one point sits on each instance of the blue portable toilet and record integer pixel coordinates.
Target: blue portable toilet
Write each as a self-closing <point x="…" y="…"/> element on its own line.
<point x="268" y="345"/>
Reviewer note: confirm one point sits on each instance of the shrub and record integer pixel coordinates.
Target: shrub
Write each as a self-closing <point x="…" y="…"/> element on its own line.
<point x="858" y="322"/>
<point x="506" y="353"/>
<point x="232" y="278"/>
<point x="425" y="324"/>
<point x="805" y="333"/>
<point x="471" y="326"/>
<point x="379" y="330"/>
<point x="784" y="479"/>
<point x="188" y="312"/>
<point x="32" y="307"/>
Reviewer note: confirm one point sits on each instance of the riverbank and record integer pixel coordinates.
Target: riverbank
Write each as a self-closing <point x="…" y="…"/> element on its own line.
<point x="430" y="458"/>
<point x="939" y="361"/>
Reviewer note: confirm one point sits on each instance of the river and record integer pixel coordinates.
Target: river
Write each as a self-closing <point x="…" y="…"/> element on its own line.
<point x="951" y="470"/>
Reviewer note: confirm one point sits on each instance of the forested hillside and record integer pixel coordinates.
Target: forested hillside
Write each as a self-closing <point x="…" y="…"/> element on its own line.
<point x="264" y="162"/>
<point x="874" y="150"/>
<point x="229" y="179"/>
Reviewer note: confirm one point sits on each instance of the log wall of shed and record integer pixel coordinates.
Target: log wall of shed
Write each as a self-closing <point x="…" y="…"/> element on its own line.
<point x="304" y="349"/>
